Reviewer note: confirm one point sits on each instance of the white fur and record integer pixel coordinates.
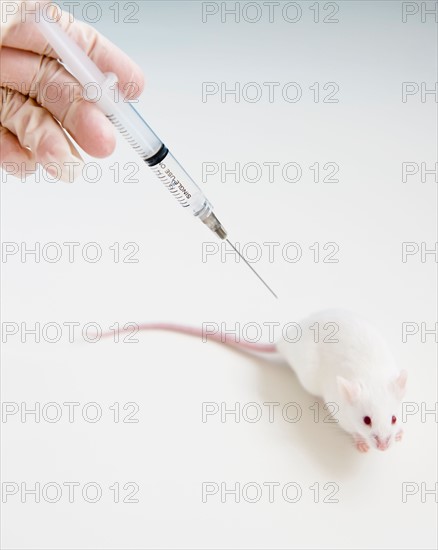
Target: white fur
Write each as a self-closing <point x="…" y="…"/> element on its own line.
<point x="358" y="373"/>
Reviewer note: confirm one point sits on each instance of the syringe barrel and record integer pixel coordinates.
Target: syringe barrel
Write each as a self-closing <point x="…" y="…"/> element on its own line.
<point x="173" y="176"/>
<point x="156" y="155"/>
<point x="103" y="88"/>
<point x="131" y="125"/>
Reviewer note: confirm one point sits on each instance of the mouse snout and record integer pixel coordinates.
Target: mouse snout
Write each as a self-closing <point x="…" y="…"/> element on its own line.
<point x="382" y="443"/>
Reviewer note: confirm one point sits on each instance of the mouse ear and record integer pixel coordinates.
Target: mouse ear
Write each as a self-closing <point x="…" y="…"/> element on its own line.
<point x="399" y="384"/>
<point x="349" y="390"/>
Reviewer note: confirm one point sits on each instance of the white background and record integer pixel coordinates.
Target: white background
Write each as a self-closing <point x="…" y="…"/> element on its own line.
<point x="170" y="452"/>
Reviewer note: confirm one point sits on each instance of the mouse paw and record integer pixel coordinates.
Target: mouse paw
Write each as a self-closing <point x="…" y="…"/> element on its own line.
<point x="399" y="435"/>
<point x="361" y="445"/>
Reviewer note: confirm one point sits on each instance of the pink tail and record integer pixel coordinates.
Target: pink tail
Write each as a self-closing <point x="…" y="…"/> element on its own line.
<point x="218" y="337"/>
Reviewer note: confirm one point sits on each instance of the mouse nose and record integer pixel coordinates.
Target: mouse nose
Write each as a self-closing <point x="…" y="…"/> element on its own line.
<point x="382" y="444"/>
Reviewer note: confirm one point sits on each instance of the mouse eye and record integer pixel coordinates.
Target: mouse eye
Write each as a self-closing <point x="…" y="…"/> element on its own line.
<point x="393" y="419"/>
<point x="367" y="420"/>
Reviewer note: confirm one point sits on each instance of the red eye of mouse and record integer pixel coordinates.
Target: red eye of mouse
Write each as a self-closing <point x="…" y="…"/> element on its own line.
<point x="393" y="420"/>
<point x="367" y="420"/>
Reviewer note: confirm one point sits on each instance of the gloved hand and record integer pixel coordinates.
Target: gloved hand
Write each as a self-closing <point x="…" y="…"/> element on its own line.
<point x="38" y="98"/>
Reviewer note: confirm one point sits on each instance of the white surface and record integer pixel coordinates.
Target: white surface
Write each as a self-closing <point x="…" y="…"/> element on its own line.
<point x="369" y="213"/>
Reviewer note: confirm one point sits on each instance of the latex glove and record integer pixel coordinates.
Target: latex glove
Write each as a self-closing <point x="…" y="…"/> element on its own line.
<point x="37" y="99"/>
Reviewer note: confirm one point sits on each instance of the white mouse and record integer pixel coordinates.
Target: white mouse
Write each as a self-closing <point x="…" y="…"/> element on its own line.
<point x="354" y="369"/>
<point x="342" y="359"/>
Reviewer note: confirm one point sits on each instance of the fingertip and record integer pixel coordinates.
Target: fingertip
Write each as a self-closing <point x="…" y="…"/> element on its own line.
<point x="93" y="132"/>
<point x="142" y="82"/>
<point x="105" y="139"/>
<point x="135" y="87"/>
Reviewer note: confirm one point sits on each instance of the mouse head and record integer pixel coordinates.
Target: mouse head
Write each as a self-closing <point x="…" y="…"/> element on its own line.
<point x="374" y="412"/>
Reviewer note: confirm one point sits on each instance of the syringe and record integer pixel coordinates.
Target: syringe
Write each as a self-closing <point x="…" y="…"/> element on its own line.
<point x="134" y="128"/>
<point x="130" y="124"/>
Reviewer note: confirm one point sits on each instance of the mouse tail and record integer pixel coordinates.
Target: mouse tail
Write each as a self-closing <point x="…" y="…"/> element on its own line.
<point x="217" y="337"/>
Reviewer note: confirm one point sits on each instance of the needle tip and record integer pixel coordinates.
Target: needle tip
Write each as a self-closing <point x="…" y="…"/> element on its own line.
<point x="252" y="269"/>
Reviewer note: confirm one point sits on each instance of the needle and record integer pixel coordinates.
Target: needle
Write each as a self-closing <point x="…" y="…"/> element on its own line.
<point x="252" y="269"/>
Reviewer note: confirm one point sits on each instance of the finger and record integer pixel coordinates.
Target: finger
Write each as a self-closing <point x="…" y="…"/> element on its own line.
<point x="107" y="56"/>
<point x="46" y="81"/>
<point x="37" y="130"/>
<point x="14" y="159"/>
